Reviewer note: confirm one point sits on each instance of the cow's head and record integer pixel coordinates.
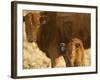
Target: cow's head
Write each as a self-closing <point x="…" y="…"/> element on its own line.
<point x="32" y="22"/>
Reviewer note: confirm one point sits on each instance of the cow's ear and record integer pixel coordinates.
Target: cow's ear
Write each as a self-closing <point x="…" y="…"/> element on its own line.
<point x="23" y="18"/>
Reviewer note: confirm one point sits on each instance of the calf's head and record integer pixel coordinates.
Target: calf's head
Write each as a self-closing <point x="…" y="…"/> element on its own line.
<point x="75" y="53"/>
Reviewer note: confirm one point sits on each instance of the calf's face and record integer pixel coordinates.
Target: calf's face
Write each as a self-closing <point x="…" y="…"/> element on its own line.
<point x="75" y="53"/>
<point x="32" y="22"/>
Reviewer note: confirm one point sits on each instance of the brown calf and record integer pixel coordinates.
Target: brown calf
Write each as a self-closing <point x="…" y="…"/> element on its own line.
<point x="75" y="55"/>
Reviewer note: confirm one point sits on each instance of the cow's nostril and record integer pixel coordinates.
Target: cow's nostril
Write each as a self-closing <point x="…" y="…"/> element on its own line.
<point x="77" y="45"/>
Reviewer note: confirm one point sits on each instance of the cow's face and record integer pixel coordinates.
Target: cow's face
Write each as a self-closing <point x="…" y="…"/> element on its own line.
<point x="32" y="22"/>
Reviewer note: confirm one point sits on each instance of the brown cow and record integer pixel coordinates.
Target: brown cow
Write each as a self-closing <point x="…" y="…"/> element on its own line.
<point x="58" y="29"/>
<point x="57" y="32"/>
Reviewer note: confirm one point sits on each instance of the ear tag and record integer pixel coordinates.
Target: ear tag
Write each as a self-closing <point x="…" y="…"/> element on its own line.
<point x="62" y="47"/>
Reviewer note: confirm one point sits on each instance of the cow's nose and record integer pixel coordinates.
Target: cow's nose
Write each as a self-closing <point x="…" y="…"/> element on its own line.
<point x="30" y="40"/>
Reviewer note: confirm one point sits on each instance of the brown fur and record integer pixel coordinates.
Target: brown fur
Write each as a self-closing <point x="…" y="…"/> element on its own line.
<point x="75" y="55"/>
<point x="32" y="22"/>
<point x="56" y="28"/>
